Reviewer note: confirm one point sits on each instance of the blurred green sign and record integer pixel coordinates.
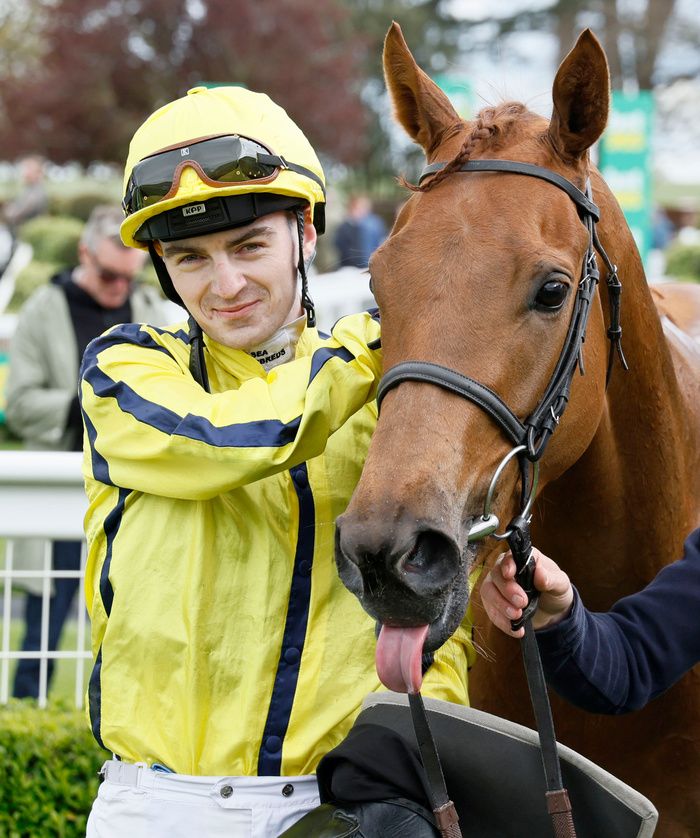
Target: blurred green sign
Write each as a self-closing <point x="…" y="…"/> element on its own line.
<point x="460" y="92"/>
<point x="625" y="161"/>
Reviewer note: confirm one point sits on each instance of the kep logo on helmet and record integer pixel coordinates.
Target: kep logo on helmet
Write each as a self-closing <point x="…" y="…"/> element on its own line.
<point x="193" y="209"/>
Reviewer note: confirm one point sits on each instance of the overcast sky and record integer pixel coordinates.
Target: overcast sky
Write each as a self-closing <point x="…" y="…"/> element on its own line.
<point x="523" y="68"/>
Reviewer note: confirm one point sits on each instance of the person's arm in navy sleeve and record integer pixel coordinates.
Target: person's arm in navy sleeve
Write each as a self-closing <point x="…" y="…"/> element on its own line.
<point x="612" y="662"/>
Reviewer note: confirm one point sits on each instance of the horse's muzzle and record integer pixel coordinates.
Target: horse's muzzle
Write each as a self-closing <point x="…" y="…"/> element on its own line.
<point x="402" y="576"/>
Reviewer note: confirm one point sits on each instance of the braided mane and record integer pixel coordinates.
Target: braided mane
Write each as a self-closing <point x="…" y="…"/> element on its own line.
<point x="491" y="125"/>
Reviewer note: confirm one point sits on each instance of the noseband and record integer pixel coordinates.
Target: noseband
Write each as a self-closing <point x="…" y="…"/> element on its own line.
<point x="529" y="437"/>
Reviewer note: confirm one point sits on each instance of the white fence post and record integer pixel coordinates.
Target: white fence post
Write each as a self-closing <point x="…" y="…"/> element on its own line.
<point x="41" y="496"/>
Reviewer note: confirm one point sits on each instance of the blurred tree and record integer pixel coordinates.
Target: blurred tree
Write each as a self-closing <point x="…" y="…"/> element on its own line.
<point x="305" y="59"/>
<point x="433" y="34"/>
<point x="106" y="64"/>
<point x="21" y="46"/>
<point x="636" y="35"/>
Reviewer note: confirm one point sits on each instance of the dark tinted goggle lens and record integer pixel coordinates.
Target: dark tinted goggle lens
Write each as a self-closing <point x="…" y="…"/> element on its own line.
<point x="222" y="159"/>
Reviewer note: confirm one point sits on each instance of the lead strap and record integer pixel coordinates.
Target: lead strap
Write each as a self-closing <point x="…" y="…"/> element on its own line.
<point x="443" y="808"/>
<point x="557" y="797"/>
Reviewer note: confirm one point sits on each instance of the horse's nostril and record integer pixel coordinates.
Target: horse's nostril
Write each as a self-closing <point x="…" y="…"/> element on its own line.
<point x="432" y="563"/>
<point x="417" y="560"/>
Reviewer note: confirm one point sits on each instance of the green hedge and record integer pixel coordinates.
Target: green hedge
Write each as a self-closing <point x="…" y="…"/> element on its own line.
<point x="81" y="204"/>
<point x="53" y="238"/>
<point x="683" y="262"/>
<point x="29" y="279"/>
<point x="48" y="771"/>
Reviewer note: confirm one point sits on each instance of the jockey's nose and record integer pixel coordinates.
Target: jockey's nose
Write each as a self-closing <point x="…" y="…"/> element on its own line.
<point x="227" y="279"/>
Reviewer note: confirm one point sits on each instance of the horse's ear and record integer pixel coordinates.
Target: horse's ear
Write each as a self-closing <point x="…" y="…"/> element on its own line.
<point x="581" y="96"/>
<point x="420" y="106"/>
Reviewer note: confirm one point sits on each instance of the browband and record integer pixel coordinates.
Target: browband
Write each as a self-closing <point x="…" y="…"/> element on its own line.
<point x="517" y="168"/>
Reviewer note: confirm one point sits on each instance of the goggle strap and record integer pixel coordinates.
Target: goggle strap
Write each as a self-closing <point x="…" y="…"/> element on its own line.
<point x="280" y="162"/>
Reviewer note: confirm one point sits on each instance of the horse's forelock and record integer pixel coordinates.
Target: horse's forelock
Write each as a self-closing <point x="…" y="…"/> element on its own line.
<point x="492" y="126"/>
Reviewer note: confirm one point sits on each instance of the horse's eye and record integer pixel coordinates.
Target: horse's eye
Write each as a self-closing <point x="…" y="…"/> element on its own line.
<point x="551" y="295"/>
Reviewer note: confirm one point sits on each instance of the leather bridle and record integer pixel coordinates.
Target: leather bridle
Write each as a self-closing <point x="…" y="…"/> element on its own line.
<point x="531" y="435"/>
<point x="529" y="438"/>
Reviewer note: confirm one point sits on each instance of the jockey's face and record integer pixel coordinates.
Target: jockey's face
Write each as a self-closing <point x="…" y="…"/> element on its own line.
<point x="240" y="285"/>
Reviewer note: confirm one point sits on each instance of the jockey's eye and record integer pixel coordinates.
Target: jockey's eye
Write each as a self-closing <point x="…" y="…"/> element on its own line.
<point x="551" y="295"/>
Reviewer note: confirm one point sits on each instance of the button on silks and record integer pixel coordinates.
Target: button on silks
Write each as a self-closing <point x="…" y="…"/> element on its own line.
<point x="291" y="655"/>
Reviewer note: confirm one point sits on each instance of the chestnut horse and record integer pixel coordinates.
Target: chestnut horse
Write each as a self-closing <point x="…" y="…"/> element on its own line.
<point x="479" y="275"/>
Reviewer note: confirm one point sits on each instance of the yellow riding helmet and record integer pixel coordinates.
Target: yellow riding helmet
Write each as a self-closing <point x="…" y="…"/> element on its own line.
<point x="207" y="114"/>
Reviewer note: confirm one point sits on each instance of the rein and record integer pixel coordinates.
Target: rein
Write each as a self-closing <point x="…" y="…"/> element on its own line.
<point x="529" y="437"/>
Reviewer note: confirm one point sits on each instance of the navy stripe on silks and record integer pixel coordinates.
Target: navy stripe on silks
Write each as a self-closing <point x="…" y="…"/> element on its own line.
<point x="127" y="333"/>
<point x="100" y="467"/>
<point x="111" y="527"/>
<point x="322" y="356"/>
<point x="95" y="699"/>
<point x="283" y="691"/>
<point x="263" y="433"/>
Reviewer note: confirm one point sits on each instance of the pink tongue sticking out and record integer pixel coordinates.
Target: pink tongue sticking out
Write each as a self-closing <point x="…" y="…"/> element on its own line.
<point x="398" y="657"/>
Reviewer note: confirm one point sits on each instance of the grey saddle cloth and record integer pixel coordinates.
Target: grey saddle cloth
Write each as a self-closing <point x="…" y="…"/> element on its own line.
<point x="494" y="775"/>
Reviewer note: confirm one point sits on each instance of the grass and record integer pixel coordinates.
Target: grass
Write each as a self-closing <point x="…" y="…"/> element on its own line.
<point x="7" y="441"/>
<point x="63" y="684"/>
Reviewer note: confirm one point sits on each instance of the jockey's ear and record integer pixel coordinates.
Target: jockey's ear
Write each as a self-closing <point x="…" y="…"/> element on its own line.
<point x="420" y="106"/>
<point x="581" y="97"/>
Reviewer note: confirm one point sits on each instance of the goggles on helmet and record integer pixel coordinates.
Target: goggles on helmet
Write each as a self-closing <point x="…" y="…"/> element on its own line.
<point x="217" y="160"/>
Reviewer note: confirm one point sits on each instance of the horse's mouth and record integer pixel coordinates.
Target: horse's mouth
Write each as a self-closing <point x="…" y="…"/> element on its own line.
<point x="403" y="650"/>
<point x="409" y="592"/>
<point x="418" y="595"/>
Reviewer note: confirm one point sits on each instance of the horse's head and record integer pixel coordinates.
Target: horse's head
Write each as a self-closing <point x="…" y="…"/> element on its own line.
<point x="479" y="275"/>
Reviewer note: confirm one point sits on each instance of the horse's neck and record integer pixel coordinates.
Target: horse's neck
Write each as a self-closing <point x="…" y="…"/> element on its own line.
<point x="622" y="510"/>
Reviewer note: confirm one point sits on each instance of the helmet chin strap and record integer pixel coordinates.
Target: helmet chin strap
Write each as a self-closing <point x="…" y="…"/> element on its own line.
<point x="198" y="366"/>
<point x="164" y="277"/>
<point x="306" y="301"/>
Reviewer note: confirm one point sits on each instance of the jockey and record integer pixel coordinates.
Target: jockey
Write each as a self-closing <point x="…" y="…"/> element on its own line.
<point x="229" y="658"/>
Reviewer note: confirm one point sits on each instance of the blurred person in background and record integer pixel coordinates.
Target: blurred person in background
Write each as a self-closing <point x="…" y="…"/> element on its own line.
<point x="229" y="656"/>
<point x="33" y="200"/>
<point x="360" y="234"/>
<point x="53" y="328"/>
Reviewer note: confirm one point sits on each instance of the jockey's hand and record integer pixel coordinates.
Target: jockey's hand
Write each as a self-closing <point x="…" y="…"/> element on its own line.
<point x="504" y="599"/>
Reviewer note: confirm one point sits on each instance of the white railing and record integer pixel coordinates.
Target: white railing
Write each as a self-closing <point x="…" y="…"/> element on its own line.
<point x="41" y="497"/>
